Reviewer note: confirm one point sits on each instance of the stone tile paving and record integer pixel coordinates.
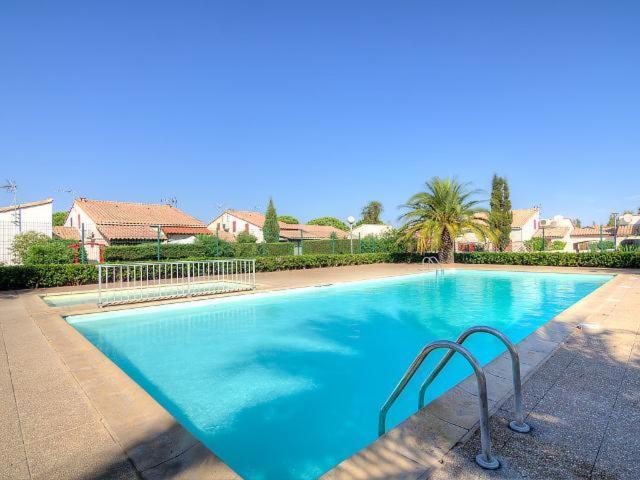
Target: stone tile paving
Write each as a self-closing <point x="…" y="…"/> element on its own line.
<point x="583" y="404"/>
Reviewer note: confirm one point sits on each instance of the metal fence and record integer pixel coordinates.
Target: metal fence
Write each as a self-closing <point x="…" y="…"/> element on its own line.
<point x="139" y="282"/>
<point x="8" y="232"/>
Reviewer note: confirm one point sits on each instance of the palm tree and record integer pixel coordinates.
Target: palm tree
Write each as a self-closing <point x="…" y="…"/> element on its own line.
<point x="438" y="215"/>
<point x="371" y="212"/>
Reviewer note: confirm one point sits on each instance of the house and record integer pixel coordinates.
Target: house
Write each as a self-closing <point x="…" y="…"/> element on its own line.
<point x="20" y="218"/>
<point x="234" y="222"/>
<point x="112" y="223"/>
<point x="524" y="224"/>
<point x="558" y="228"/>
<point x="628" y="234"/>
<point x="370" y="230"/>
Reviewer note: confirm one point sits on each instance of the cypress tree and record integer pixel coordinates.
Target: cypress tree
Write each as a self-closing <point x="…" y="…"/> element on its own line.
<point x="500" y="216"/>
<point x="271" y="229"/>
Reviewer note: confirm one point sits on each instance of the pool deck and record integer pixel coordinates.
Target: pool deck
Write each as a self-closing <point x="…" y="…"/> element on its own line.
<point x="68" y="412"/>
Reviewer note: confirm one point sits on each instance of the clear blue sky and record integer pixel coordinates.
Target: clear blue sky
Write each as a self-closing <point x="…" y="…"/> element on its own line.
<point x="322" y="104"/>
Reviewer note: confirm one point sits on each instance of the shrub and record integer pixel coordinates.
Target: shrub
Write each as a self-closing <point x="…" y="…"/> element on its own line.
<point x="13" y="277"/>
<point x="601" y="246"/>
<point x="558" y="259"/>
<point x="342" y="245"/>
<point x="48" y="253"/>
<point x="246" y="237"/>
<point x="329" y="221"/>
<point x="23" y="241"/>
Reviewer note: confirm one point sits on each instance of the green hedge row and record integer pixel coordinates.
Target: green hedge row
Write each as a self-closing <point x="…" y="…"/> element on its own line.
<point x="554" y="259"/>
<point x="15" y="277"/>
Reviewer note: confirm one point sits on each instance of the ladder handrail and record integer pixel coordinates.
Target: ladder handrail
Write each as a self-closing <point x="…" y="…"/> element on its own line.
<point x="484" y="459"/>
<point x="518" y="424"/>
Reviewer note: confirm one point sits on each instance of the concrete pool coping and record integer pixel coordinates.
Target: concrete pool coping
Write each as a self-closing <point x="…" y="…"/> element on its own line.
<point x="159" y="447"/>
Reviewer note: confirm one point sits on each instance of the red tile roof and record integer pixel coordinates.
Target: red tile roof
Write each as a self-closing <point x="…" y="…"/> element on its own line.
<point x="309" y="232"/>
<point x="592" y="232"/>
<point x="186" y="230"/>
<point x="552" y="232"/>
<point x="521" y="217"/>
<point x="130" y="232"/>
<point x="66" y="233"/>
<point x="129" y="213"/>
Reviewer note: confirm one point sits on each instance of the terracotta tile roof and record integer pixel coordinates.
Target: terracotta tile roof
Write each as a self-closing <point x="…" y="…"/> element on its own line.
<point x="130" y="232"/>
<point x="592" y="232"/>
<point x="552" y="232"/>
<point x="186" y="230"/>
<point x="628" y="230"/>
<point x="129" y="213"/>
<point x="26" y="205"/>
<point x="254" y="218"/>
<point x="66" y="233"/>
<point x="521" y="217"/>
<point x="309" y="232"/>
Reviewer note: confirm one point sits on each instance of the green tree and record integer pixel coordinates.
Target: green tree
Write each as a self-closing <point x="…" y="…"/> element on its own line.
<point x="329" y="221"/>
<point x="271" y="229"/>
<point x="288" y="219"/>
<point x="371" y="212"/>
<point x="577" y="223"/>
<point x="438" y="215"/>
<point x="59" y="218"/>
<point x="612" y="220"/>
<point x="500" y="216"/>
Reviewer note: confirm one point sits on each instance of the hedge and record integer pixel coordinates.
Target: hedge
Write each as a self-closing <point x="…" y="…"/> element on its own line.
<point x="170" y="251"/>
<point x="15" y="277"/>
<point x="554" y="259"/>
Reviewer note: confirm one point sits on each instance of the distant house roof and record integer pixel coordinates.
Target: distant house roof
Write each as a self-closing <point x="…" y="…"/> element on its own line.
<point x="138" y="221"/>
<point x="309" y="232"/>
<point x="521" y="217"/>
<point x="287" y="230"/>
<point x="129" y="213"/>
<point x="592" y="232"/>
<point x="66" y="233"/>
<point x="552" y="232"/>
<point x="26" y="205"/>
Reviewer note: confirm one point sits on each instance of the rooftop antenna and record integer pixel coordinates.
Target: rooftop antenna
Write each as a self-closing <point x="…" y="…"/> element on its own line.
<point x="171" y="201"/>
<point x="12" y="188"/>
<point x="69" y="191"/>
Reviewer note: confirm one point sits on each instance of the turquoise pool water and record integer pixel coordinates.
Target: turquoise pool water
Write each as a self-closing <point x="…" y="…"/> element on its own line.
<point x="287" y="385"/>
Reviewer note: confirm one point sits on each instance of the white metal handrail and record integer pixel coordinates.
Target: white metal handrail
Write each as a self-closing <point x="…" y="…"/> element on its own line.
<point x="139" y="282"/>
<point x="484" y="459"/>
<point x="433" y="261"/>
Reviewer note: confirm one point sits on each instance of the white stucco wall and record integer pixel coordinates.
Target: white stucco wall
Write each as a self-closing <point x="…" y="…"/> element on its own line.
<point x="77" y="216"/>
<point x="366" y="230"/>
<point x="227" y="220"/>
<point x="29" y="219"/>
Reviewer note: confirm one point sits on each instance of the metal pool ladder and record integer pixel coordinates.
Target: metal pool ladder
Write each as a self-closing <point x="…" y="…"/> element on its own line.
<point x="484" y="459"/>
<point x="433" y="261"/>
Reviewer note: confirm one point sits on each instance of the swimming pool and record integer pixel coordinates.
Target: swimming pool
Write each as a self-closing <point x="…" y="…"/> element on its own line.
<point x="286" y="385"/>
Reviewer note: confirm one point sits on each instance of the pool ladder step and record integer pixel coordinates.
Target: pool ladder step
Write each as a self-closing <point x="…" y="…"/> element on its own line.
<point x="433" y="262"/>
<point x="485" y="459"/>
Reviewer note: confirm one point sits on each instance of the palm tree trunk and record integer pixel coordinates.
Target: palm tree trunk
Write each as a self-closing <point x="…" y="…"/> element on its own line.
<point x="445" y="255"/>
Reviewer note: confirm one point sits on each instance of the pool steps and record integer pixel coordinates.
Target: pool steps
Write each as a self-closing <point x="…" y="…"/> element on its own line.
<point x="484" y="459"/>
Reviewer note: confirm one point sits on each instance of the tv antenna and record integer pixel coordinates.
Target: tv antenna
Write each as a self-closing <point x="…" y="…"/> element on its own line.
<point x="172" y="201"/>
<point x="12" y="188"/>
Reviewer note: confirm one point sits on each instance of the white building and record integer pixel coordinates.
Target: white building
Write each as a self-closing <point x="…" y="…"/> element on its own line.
<point x="233" y="222"/>
<point x="370" y="230"/>
<point x="24" y="217"/>
<point x="524" y="224"/>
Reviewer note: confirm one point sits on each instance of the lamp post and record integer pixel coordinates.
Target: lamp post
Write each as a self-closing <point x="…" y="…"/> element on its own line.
<point x="543" y="228"/>
<point x="351" y="220"/>
<point x="615" y="231"/>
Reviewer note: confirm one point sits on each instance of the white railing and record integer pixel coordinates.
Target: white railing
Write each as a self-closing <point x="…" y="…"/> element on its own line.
<point x="140" y="282"/>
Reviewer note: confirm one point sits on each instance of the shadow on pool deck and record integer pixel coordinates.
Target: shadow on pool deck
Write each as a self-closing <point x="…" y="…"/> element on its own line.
<point x="584" y="410"/>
